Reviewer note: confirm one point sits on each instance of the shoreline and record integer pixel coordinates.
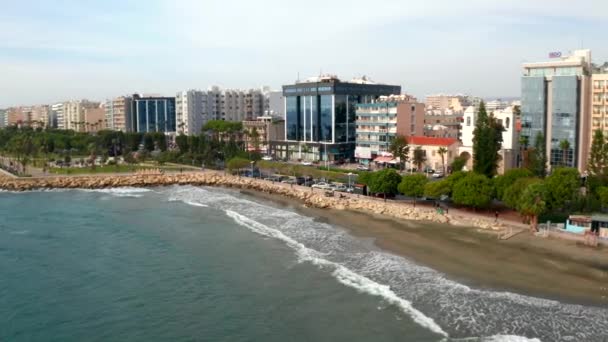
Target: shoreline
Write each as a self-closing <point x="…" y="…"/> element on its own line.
<point x="531" y="267"/>
<point x="465" y="249"/>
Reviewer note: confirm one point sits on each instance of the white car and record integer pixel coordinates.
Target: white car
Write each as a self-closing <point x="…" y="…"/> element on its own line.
<point x="267" y="158"/>
<point x="437" y="175"/>
<point x="361" y="167"/>
<point x="322" y="185"/>
<point x="306" y="163"/>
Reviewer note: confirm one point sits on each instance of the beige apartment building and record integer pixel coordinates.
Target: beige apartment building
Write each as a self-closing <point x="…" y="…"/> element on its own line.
<point x="74" y="114"/>
<point x="446" y="104"/>
<point x="268" y="128"/>
<point x="117" y="113"/>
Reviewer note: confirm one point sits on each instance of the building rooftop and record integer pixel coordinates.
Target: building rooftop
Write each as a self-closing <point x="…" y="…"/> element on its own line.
<point x="417" y="140"/>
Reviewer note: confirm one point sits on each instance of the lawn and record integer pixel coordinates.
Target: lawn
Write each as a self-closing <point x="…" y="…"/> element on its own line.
<point x="108" y="169"/>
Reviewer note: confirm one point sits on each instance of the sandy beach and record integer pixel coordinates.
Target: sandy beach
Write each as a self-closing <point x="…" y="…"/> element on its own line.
<point x="541" y="267"/>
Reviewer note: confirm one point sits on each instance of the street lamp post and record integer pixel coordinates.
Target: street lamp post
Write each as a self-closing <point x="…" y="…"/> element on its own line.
<point x="349" y="175"/>
<point x="252" y="175"/>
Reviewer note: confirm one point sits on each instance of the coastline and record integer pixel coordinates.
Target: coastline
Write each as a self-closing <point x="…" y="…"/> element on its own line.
<point x="460" y="248"/>
<point x="544" y="268"/>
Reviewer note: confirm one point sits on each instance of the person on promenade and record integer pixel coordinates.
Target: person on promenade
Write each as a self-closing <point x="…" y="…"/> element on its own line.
<point x="496" y="216"/>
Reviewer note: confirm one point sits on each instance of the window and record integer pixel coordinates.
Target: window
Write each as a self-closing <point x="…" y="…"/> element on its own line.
<point x="468" y="121"/>
<point x="507" y="123"/>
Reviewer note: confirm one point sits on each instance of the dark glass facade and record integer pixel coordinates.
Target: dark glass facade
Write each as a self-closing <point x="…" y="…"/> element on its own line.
<point x="325" y="111"/>
<point x="154" y="114"/>
<point x="533" y="107"/>
<point x="565" y="117"/>
<point x="565" y="105"/>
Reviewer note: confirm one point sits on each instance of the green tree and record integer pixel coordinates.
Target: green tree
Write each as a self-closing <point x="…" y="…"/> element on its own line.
<point x="564" y="145"/>
<point x="149" y="142"/>
<point x="513" y="193"/>
<point x="563" y="186"/>
<point x="532" y="203"/>
<point x="182" y="143"/>
<point x="473" y="190"/>
<point x="459" y="163"/>
<point x="538" y="157"/>
<point x="237" y="164"/>
<point x="419" y="158"/>
<point x="487" y="141"/>
<point x="413" y="185"/>
<point x="385" y="182"/>
<point x="502" y="182"/>
<point x="442" y="152"/>
<point x="437" y="189"/>
<point x="598" y="157"/>
<point x="603" y="195"/>
<point x="400" y="149"/>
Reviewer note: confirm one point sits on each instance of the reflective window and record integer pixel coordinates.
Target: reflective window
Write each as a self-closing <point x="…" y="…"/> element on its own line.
<point x="341" y="118"/>
<point x="152" y="116"/>
<point x="533" y="107"/>
<point x="325" y="118"/>
<point x="142" y="117"/>
<point x="291" y="117"/>
<point x="565" y="102"/>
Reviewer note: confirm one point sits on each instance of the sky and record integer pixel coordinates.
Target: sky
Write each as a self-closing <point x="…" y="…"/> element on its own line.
<point x="70" y="49"/>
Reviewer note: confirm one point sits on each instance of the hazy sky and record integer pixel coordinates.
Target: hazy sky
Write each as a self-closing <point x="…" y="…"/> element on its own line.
<point x="67" y="49"/>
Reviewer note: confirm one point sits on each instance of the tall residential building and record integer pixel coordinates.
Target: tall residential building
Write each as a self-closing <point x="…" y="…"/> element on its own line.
<point x="378" y="123"/>
<point x="95" y="118"/>
<point x="599" y="101"/>
<point x="555" y="101"/>
<point x="276" y="104"/>
<point x="57" y="117"/>
<point x="320" y="116"/>
<point x="74" y="114"/>
<point x="190" y="110"/>
<point x="153" y="114"/>
<point x="118" y="114"/>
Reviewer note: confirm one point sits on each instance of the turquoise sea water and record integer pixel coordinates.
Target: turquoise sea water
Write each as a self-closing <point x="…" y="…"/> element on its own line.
<point x="204" y="264"/>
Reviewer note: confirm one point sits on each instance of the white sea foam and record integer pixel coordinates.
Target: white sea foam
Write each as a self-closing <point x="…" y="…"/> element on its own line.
<point x="121" y="192"/>
<point x="492" y="316"/>
<point x="343" y="274"/>
<point x="509" y="338"/>
<point x="196" y="204"/>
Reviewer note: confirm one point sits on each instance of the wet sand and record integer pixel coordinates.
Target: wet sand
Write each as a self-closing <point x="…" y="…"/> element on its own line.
<point x="541" y="267"/>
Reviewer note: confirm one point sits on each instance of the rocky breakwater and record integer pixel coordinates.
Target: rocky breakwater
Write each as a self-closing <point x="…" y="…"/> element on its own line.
<point x="309" y="197"/>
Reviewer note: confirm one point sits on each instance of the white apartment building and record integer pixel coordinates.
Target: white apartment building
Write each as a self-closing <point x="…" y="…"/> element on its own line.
<point x="510" y="141"/>
<point x="190" y="111"/>
<point x="194" y="108"/>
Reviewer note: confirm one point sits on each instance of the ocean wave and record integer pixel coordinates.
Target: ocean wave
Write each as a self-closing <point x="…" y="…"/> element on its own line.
<point x="343" y="274"/>
<point x="457" y="309"/>
<point x="120" y="192"/>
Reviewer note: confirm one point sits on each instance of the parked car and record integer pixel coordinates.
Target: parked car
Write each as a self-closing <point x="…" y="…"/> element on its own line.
<point x="289" y="181"/>
<point x="437" y="174"/>
<point x="267" y="158"/>
<point x="339" y="187"/>
<point x="363" y="167"/>
<point x="306" y="163"/>
<point x="322" y="185"/>
<point x="428" y="169"/>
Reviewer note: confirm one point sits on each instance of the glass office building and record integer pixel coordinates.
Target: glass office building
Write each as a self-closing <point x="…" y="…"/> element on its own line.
<point x="555" y="102"/>
<point x="153" y="114"/>
<point x="320" y="117"/>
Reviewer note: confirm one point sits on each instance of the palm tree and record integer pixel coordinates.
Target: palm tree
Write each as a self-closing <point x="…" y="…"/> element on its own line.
<point x="442" y="152"/>
<point x="419" y="157"/>
<point x="564" y="145"/>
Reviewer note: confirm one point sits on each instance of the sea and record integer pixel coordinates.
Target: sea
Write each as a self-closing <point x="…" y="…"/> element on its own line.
<point x="208" y="264"/>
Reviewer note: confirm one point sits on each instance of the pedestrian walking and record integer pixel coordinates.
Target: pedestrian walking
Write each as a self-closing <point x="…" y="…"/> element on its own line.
<point x="496" y="216"/>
